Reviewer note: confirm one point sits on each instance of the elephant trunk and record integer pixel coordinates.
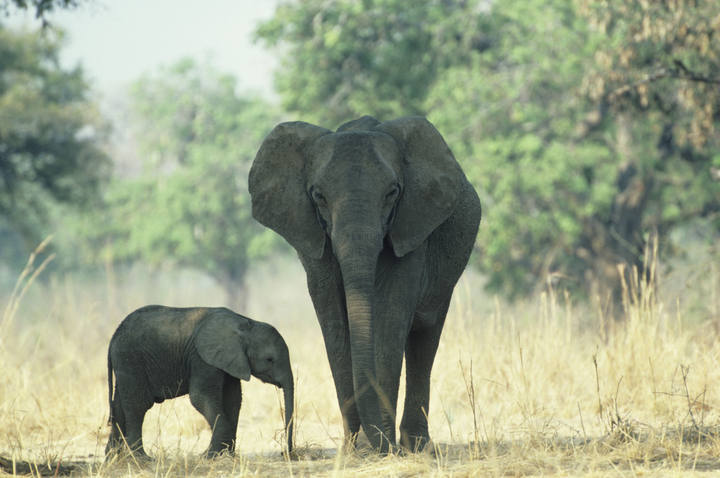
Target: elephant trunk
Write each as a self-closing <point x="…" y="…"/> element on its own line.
<point x="357" y="254"/>
<point x="289" y="398"/>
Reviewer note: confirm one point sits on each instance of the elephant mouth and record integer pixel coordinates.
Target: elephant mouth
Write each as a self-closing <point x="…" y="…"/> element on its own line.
<point x="267" y="379"/>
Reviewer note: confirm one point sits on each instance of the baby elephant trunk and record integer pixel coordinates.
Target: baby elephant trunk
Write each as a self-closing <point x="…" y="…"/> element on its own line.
<point x="289" y="396"/>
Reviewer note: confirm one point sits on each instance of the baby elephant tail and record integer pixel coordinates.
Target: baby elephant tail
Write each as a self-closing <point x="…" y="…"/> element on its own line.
<point x="110" y="389"/>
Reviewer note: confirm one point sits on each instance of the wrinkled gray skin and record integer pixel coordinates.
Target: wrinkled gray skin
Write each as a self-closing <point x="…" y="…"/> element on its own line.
<point x="383" y="220"/>
<point x="160" y="352"/>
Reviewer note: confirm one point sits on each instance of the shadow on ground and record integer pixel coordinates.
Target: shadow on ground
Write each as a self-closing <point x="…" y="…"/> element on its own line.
<point x="690" y="449"/>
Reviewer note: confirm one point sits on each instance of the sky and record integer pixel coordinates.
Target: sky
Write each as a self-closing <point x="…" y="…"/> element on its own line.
<point x="117" y="41"/>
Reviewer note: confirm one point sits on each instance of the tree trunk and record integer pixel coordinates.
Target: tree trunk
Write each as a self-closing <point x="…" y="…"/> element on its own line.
<point x="617" y="244"/>
<point x="236" y="292"/>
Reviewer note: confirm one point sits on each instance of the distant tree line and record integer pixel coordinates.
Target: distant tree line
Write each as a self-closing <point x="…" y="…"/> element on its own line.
<point x="40" y="8"/>
<point x="187" y="204"/>
<point x="51" y="141"/>
<point x="586" y="126"/>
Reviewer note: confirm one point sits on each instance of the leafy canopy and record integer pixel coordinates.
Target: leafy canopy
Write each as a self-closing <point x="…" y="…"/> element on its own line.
<point x="51" y="138"/>
<point x="343" y="59"/>
<point x="41" y="8"/>
<point x="190" y="204"/>
<point x="584" y="125"/>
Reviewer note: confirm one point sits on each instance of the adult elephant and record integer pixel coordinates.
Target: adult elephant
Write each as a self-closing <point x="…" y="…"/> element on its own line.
<point x="383" y="220"/>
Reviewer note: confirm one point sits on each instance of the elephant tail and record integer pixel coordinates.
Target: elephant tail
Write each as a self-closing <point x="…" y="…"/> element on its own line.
<point x="110" y="388"/>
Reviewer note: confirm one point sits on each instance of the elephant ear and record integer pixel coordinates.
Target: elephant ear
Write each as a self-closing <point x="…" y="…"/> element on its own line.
<point x="277" y="187"/>
<point x="221" y="341"/>
<point x="432" y="182"/>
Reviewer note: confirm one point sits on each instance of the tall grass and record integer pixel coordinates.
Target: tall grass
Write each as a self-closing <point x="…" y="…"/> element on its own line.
<point x="541" y="388"/>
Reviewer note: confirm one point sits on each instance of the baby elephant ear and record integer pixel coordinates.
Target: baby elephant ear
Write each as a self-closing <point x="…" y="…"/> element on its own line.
<point x="221" y="341"/>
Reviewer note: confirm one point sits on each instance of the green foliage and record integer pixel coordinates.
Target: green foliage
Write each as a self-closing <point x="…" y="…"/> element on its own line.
<point x="190" y="205"/>
<point x="661" y="67"/>
<point x="41" y="7"/>
<point x="511" y="117"/>
<point x="660" y="57"/>
<point x="583" y="126"/>
<point x="344" y="59"/>
<point x="50" y="139"/>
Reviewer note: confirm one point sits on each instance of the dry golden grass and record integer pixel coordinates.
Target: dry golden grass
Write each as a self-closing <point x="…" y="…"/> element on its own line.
<point x="544" y="388"/>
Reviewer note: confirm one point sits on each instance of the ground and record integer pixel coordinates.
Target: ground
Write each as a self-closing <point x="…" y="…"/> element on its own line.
<point x="546" y="387"/>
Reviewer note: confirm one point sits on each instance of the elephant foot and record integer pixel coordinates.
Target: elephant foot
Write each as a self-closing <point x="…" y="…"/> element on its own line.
<point x="124" y="454"/>
<point x="141" y="457"/>
<point x="210" y="454"/>
<point x="386" y="446"/>
<point x="220" y="447"/>
<point x="360" y="443"/>
<point x="351" y="443"/>
<point x="357" y="444"/>
<point x="414" y="442"/>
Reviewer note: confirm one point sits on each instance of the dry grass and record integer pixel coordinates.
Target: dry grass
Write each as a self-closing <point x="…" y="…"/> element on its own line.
<point x="545" y="388"/>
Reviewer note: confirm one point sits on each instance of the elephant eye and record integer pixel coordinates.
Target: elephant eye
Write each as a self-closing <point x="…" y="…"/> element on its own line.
<point x="392" y="194"/>
<point x="318" y="198"/>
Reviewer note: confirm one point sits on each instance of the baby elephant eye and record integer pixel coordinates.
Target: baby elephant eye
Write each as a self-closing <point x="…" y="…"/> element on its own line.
<point x="269" y="360"/>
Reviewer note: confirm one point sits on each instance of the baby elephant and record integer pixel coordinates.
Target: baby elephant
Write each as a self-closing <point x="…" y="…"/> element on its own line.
<point x="160" y="352"/>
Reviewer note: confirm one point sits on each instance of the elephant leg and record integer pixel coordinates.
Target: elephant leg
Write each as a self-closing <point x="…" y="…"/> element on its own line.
<point x="397" y="294"/>
<point x="337" y="345"/>
<point x="388" y="365"/>
<point x="325" y="286"/>
<point x="134" y="401"/>
<point x="135" y="416"/>
<point x="232" y="400"/>
<point x="207" y="395"/>
<point x="420" y="352"/>
<point x="118" y="428"/>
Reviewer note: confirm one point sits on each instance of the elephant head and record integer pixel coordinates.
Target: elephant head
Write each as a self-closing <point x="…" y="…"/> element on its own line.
<point x="365" y="186"/>
<point x="249" y="348"/>
<point x="411" y="167"/>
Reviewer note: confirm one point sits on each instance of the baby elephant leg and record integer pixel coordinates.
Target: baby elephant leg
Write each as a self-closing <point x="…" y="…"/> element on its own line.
<point x="118" y="428"/>
<point x="129" y="406"/>
<point x="216" y="396"/>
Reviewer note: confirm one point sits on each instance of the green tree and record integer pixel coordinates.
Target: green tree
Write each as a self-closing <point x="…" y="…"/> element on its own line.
<point x="51" y="138"/>
<point x="543" y="105"/>
<point x="41" y="7"/>
<point x="190" y="205"/>
<point x="578" y="166"/>
<point x="343" y="59"/>
<point x="511" y="115"/>
<point x="659" y="75"/>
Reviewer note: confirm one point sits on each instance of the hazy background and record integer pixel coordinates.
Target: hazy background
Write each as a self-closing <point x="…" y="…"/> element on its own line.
<point x="583" y="336"/>
<point x="116" y="42"/>
<point x="588" y="129"/>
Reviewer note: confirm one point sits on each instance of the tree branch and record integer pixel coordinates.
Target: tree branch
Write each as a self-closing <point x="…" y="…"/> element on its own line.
<point x="621" y="90"/>
<point x="681" y="72"/>
<point x="692" y="76"/>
